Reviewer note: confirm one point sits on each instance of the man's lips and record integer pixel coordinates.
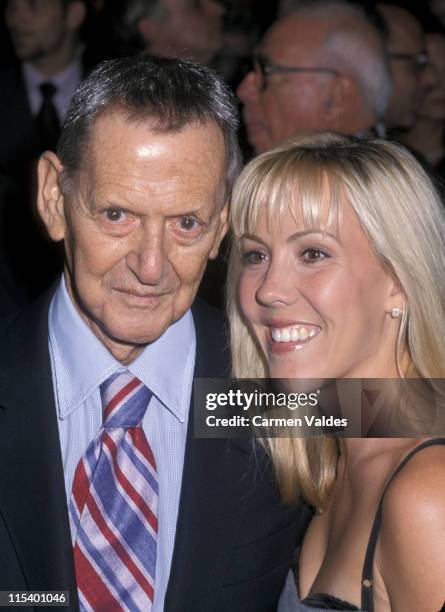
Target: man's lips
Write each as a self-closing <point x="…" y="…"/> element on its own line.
<point x="141" y="296"/>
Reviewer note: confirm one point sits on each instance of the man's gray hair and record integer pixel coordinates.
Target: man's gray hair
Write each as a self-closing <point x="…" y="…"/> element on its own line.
<point x="168" y="93"/>
<point x="354" y="44"/>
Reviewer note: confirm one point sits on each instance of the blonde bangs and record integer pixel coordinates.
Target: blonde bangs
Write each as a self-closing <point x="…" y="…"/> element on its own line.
<point x="281" y="185"/>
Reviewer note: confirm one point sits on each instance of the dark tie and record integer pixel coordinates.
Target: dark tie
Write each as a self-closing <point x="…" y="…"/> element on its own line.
<point x="113" y="508"/>
<point x="47" y="120"/>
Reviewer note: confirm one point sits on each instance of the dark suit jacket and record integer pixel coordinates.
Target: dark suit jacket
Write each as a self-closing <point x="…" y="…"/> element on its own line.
<point x="19" y="151"/>
<point x="234" y="539"/>
<point x="18" y="137"/>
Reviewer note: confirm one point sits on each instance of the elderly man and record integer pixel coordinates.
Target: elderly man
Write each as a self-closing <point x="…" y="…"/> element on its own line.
<point x="190" y="29"/>
<point x="411" y="73"/>
<point x="322" y="67"/>
<point x="158" y="519"/>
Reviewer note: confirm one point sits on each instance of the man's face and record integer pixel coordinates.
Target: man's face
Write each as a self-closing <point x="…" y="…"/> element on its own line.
<point x="433" y="104"/>
<point x="191" y="29"/>
<point x="411" y="79"/>
<point x="147" y="214"/>
<point x="282" y="105"/>
<point x="37" y="27"/>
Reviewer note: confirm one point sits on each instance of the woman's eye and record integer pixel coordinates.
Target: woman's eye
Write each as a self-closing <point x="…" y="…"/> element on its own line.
<point x="253" y="257"/>
<point x="313" y="255"/>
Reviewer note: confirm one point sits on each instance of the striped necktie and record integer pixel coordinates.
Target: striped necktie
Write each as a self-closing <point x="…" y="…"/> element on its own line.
<point x="113" y="508"/>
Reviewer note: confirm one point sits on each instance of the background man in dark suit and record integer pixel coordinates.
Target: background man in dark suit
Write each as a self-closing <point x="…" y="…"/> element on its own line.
<point x="138" y="192"/>
<point x="46" y="40"/>
<point x="35" y="93"/>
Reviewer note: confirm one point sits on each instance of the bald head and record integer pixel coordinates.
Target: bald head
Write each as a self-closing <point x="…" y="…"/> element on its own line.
<point x="345" y="85"/>
<point x="406" y="48"/>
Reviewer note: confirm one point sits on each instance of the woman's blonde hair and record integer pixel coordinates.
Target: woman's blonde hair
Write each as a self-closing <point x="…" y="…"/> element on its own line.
<point x="400" y="212"/>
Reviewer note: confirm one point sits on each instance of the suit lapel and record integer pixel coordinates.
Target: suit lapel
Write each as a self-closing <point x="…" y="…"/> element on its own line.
<point x="211" y="496"/>
<point x="32" y="495"/>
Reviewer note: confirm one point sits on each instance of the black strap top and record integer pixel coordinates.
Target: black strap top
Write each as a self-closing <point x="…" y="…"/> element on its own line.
<point x="328" y="602"/>
<point x="367" y="574"/>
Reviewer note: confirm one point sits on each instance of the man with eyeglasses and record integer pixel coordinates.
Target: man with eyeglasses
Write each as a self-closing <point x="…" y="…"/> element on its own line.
<point x="411" y="73"/>
<point x="321" y="67"/>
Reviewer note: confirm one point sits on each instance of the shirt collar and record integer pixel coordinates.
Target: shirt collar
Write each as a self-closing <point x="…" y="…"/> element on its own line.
<point x="72" y="73"/>
<point x="81" y="362"/>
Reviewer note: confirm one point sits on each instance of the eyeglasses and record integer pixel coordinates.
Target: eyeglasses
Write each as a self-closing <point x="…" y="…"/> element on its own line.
<point x="264" y="68"/>
<point x="418" y="61"/>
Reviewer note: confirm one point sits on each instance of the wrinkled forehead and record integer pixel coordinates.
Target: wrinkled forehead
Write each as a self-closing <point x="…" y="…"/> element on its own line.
<point x="313" y="198"/>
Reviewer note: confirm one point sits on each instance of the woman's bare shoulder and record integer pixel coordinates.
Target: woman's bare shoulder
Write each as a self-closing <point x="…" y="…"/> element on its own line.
<point x="411" y="551"/>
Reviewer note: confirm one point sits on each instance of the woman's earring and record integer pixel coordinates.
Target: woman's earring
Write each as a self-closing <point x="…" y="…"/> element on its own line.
<point x="395" y="313"/>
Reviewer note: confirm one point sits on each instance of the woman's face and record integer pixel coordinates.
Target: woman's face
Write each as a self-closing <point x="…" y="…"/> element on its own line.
<point x="318" y="302"/>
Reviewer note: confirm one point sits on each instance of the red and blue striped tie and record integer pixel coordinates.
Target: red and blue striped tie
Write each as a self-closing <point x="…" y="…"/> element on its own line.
<point x="113" y="508"/>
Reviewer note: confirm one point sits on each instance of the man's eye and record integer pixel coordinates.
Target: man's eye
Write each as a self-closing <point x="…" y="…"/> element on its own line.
<point x="115" y="215"/>
<point x="313" y="255"/>
<point x="188" y="224"/>
<point x="253" y="257"/>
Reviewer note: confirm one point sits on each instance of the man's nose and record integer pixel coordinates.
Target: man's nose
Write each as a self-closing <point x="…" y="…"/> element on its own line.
<point x="148" y="259"/>
<point x="248" y="88"/>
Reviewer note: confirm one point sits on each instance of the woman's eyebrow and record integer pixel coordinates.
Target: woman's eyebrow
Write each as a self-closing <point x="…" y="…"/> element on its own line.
<point x="302" y="233"/>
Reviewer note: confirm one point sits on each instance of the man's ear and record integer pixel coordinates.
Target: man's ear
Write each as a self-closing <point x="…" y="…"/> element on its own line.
<point x="76" y="13"/>
<point x="50" y="200"/>
<point x="222" y="230"/>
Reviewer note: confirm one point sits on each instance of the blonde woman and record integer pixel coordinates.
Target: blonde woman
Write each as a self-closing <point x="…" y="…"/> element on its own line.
<point x="338" y="271"/>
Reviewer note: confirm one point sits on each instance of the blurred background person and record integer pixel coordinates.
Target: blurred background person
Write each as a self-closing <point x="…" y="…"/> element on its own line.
<point x="410" y="70"/>
<point x="438" y="8"/>
<point x="321" y="67"/>
<point x="35" y="92"/>
<point x="243" y="24"/>
<point x="189" y="29"/>
<point x="427" y="135"/>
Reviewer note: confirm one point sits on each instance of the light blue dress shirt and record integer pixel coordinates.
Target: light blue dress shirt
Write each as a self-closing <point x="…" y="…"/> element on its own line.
<point x="66" y="82"/>
<point x="80" y="363"/>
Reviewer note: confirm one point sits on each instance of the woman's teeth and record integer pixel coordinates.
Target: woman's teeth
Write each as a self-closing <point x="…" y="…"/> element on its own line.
<point x="293" y="333"/>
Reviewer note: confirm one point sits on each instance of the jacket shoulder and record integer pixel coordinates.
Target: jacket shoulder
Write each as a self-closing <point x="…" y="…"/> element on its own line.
<point x="212" y="343"/>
